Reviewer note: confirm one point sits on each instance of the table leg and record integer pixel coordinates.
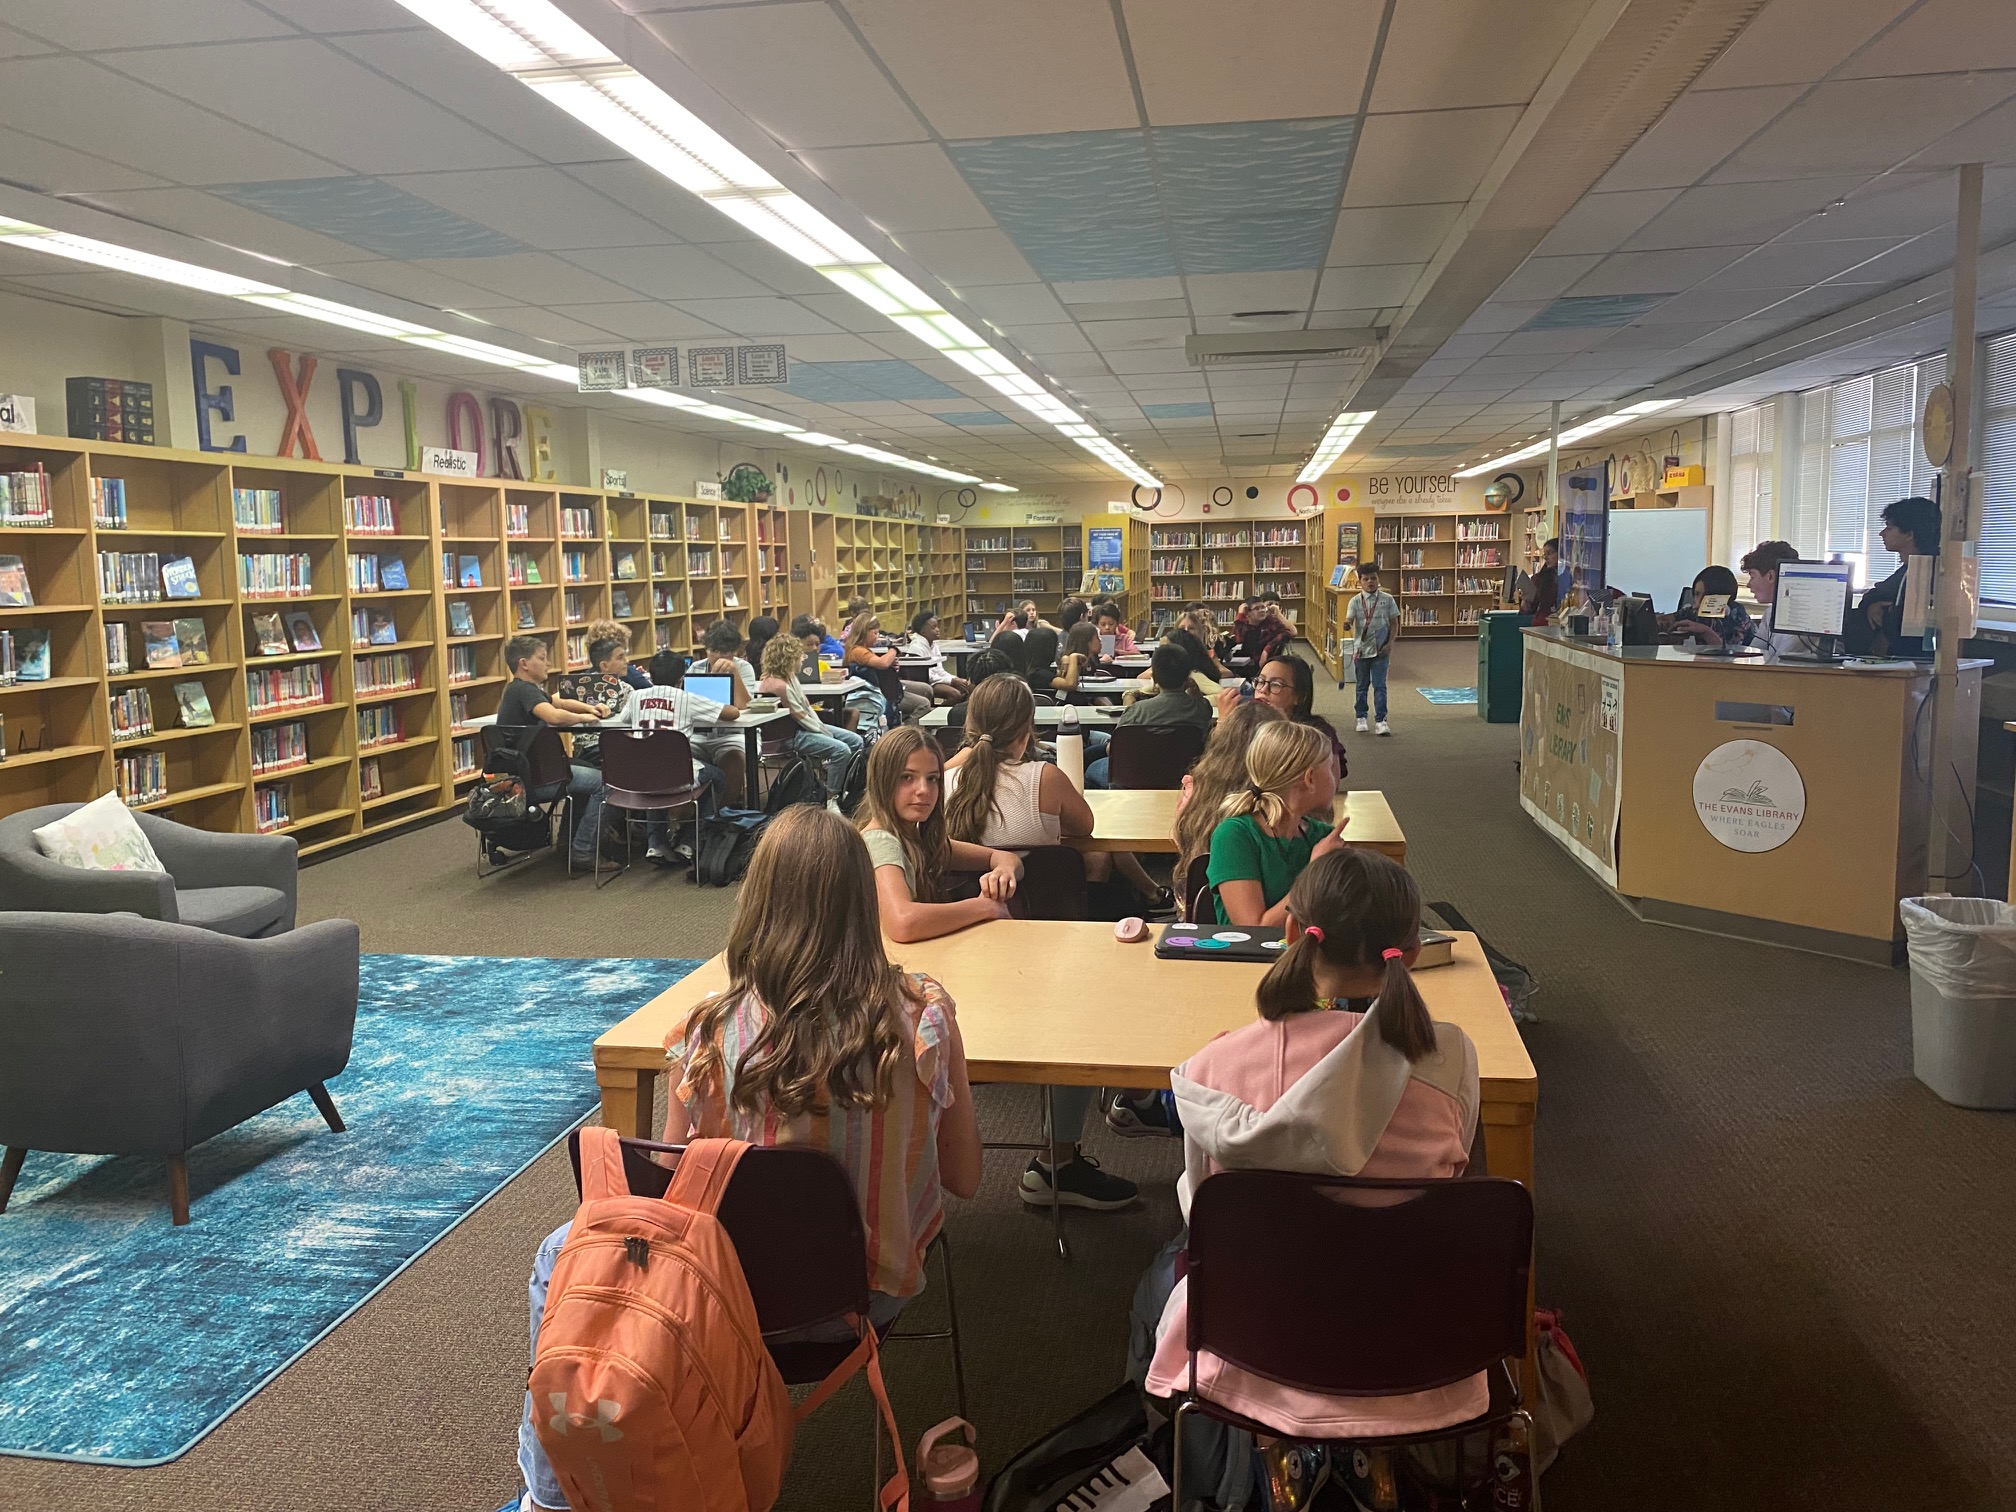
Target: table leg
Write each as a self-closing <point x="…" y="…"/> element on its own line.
<point x="628" y="1096"/>
<point x="752" y="758"/>
<point x="1508" y="1146"/>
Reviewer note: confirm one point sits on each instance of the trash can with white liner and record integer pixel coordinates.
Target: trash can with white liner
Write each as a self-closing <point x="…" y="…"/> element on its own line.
<point x="1963" y="998"/>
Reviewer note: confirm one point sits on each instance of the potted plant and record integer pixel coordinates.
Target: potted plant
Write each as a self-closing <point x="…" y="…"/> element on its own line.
<point x="746" y="483"/>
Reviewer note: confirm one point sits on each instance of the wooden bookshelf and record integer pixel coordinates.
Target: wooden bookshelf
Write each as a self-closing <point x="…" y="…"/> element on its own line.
<point x="1446" y="569"/>
<point x="1224" y="563"/>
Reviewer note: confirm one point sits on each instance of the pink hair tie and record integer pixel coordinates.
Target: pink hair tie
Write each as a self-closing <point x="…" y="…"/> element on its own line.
<point x="1314" y="933"/>
<point x="1392" y="955"/>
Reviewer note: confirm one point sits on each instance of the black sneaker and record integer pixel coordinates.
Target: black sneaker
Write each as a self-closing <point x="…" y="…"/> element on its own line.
<point x="1080" y="1183"/>
<point x="1139" y="1119"/>
<point x="1161" y="906"/>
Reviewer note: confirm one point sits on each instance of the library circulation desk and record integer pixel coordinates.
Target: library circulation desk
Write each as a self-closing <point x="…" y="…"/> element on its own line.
<point x="1769" y="800"/>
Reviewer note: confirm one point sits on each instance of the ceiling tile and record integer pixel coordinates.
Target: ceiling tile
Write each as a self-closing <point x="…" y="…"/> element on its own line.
<point x="910" y="186"/>
<point x="1228" y="293"/>
<point x="1027" y="304"/>
<point x="759" y="317"/>
<point x="1940" y="36"/>
<point x="815" y="86"/>
<point x="1654" y="272"/>
<point x="975" y="258"/>
<point x="1137" y="335"/>
<point x="1545" y="277"/>
<point x="1700" y="129"/>
<point x="1798" y="41"/>
<point x="1868" y="124"/>
<point x="1797" y="263"/>
<point x="1568" y="340"/>
<point x="642" y="320"/>
<point x="1603" y="222"/>
<point x="411" y="281"/>
<point x="528" y="277"/>
<point x="141" y="23"/>
<point x="1046" y="340"/>
<point x="1426" y="158"/>
<point x="1739" y="215"/>
<point x="1050" y="65"/>
<point x="1390" y="233"/>
<point x="1202" y="60"/>
<point x="669" y="272"/>
<point x="546" y="325"/>
<point x="647" y="193"/>
<point x="539" y="206"/>
<point x="1354" y="288"/>
<point x="1109" y="290"/>
<point x="1498" y="315"/>
<point x="53" y="168"/>
<point x="1440" y="53"/>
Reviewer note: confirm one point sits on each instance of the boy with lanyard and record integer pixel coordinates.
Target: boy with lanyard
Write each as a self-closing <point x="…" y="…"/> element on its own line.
<point x="1372" y="615"/>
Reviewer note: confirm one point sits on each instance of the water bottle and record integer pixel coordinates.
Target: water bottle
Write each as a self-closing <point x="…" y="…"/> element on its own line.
<point x="948" y="1470"/>
<point x="1068" y="721"/>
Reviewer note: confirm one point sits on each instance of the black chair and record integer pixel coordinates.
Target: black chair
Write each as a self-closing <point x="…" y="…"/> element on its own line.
<point x="549" y="771"/>
<point x="1053" y="885"/>
<point x="643" y="770"/>
<point x="1152" y="756"/>
<point x="796" y="1225"/>
<point x="1452" y="1258"/>
<point x="1197" y="888"/>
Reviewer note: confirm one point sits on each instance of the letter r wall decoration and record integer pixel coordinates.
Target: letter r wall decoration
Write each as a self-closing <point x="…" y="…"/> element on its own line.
<point x="507" y="430"/>
<point x="294" y="394"/>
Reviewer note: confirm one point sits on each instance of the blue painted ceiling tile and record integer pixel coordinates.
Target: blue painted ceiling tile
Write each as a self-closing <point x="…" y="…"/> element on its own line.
<point x="973" y="417"/>
<point x="1194" y="411"/>
<point x="374" y="215"/>
<point x="1585" y="311"/>
<point x="865" y="382"/>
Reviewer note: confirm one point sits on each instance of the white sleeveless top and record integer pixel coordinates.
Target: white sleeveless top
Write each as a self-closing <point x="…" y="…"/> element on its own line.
<point x="1017" y="820"/>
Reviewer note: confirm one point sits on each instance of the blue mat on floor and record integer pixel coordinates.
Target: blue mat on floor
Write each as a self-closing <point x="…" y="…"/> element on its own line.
<point x="123" y="1339"/>
<point x="1448" y="695"/>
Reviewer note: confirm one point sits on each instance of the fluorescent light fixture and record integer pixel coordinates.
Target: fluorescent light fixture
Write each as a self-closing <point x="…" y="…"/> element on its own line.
<point x="1000" y="488"/>
<point x="818" y="438"/>
<point x="1336" y="440"/>
<point x="540" y="46"/>
<point x="119" y="259"/>
<point x="347" y="316"/>
<point x="1578" y="432"/>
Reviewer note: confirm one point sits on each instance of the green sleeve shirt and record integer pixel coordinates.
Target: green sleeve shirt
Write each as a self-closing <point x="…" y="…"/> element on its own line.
<point x="1241" y="851"/>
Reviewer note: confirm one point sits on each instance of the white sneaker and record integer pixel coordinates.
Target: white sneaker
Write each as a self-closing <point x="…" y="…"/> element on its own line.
<point x="1384" y="728"/>
<point x="1363" y="727"/>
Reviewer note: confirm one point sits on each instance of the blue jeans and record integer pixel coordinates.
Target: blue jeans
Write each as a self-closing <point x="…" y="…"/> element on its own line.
<point x="1371" y="672"/>
<point x="1096" y="742"/>
<point x="832" y="745"/>
<point x="585" y="788"/>
<point x="658" y="830"/>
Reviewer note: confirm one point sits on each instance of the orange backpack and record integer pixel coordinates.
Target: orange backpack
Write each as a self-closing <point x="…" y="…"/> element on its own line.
<point x="650" y="1352"/>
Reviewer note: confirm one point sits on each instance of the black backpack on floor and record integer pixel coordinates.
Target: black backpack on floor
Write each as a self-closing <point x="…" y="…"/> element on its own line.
<point x="855" y="787"/>
<point x="727" y="841"/>
<point x="800" y="781"/>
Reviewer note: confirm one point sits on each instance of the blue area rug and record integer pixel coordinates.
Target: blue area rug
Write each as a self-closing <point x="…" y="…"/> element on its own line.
<point x="1448" y="695"/>
<point x="123" y="1340"/>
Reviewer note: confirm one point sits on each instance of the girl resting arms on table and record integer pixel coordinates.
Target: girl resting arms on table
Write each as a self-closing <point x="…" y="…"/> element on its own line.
<point x="1275" y="825"/>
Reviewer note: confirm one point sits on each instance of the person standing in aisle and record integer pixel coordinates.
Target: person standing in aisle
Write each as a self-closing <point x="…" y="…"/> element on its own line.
<point x="1372" y="614"/>
<point x="1543" y="589"/>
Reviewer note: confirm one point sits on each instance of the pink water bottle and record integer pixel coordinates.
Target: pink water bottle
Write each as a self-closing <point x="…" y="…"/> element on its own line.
<point x="949" y="1471"/>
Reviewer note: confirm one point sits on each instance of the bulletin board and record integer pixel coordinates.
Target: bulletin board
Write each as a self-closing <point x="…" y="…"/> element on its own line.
<point x="1571" y="742"/>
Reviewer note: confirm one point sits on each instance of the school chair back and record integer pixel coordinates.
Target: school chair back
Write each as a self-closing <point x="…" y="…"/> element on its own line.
<point x="1152" y="756"/>
<point x="1197" y="894"/>
<point x="644" y="770"/>
<point x="545" y="755"/>
<point x="1053" y="885"/>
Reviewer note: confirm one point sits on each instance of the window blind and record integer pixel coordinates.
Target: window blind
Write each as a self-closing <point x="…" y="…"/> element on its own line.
<point x="1996" y="480"/>
<point x="1753" y="448"/>
<point x="1859" y="451"/>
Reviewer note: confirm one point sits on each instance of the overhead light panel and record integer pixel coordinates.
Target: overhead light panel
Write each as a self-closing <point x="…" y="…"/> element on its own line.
<point x="1578" y="432"/>
<point x="1000" y="488"/>
<point x="1336" y="440"/>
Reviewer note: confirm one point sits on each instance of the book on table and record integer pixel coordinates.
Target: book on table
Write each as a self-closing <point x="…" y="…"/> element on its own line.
<point x="178" y="578"/>
<point x="301" y="630"/>
<point x="164" y="647"/>
<point x="31" y="654"/>
<point x="194" y="641"/>
<point x="14" y="590"/>
<point x="271" y="633"/>
<point x="194" y="704"/>
<point x="460" y="620"/>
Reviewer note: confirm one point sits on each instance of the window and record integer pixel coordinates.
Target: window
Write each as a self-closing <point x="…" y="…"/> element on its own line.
<point x="1997" y="478"/>
<point x="1753" y="448"/>
<point x="1858" y="451"/>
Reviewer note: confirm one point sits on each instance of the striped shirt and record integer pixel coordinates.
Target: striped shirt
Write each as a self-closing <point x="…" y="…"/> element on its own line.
<point x="890" y="1154"/>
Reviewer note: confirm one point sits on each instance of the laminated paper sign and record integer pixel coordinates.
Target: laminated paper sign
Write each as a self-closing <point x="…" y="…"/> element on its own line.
<point x="710" y="367"/>
<point x="599" y="372"/>
<point x="654" y="367"/>
<point x="1571" y="741"/>
<point x="762" y="365"/>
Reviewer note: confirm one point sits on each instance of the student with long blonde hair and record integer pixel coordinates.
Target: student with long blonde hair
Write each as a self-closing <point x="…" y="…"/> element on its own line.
<point x="903" y="822"/>
<point x="1207" y="785"/>
<point x="819" y="1041"/>
<point x="1275" y="825"/>
<point x="813" y="739"/>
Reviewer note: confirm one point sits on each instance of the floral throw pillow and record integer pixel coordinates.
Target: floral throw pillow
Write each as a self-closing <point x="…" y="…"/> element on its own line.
<point x="101" y="836"/>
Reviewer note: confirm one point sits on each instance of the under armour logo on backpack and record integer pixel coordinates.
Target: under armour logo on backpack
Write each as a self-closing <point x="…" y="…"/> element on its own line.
<point x="603" y="1421"/>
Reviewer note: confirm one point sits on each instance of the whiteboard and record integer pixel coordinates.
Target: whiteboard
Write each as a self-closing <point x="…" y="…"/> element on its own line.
<point x="1656" y="551"/>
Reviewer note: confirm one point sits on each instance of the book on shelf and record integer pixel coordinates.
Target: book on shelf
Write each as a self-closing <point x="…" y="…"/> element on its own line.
<point x="142" y="777"/>
<point x="577" y="647"/>
<point x="517" y="519"/>
<point x="392" y="574"/>
<point x="194" y="640"/>
<point x="178" y="578"/>
<point x="285" y="687"/>
<point x="108" y="503"/>
<point x="460" y="620"/>
<point x="458" y="708"/>
<point x="382" y="630"/>
<point x="24" y="498"/>
<point x="15" y="593"/>
<point x="467" y="763"/>
<point x="379" y="725"/>
<point x="526" y="619"/>
<point x="363" y="572"/>
<point x="469" y="572"/>
<point x="619" y="603"/>
<point x="163" y="646"/>
<point x="192" y="702"/>
<point x="277" y="747"/>
<point x="271" y="805"/>
<point x="9" y="673"/>
<point x="577" y="524"/>
<point x="730" y="599"/>
<point x="625" y="566"/>
<point x="572" y="606"/>
<point x="31" y="654"/>
<point x="370" y="779"/>
<point x="132" y="715"/>
<point x="386" y="672"/>
<point x="129" y="577"/>
<point x="461" y="664"/>
<point x="274" y="574"/>
<point x="269" y="631"/>
<point x="256" y="511"/>
<point x="371" y="514"/>
<point x="115" y="650"/>
<point x="301" y="631"/>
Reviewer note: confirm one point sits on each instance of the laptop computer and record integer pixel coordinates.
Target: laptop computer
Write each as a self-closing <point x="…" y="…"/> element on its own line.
<point x="1209" y="942"/>
<point x="714" y="685"/>
<point x="1108" y="645"/>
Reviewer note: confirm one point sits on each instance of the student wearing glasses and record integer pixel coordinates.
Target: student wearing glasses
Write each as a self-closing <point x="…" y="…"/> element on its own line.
<point x="1289" y="684"/>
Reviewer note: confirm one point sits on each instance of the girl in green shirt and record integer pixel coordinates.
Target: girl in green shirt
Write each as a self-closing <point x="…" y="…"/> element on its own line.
<point x="1269" y="830"/>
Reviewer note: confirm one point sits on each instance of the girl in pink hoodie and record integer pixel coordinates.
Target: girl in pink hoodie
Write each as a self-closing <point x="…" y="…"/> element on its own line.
<point x="1316" y="1085"/>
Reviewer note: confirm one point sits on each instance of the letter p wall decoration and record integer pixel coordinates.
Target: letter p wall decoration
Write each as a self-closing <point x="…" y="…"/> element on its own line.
<point x="295" y="395"/>
<point x="350" y="383"/>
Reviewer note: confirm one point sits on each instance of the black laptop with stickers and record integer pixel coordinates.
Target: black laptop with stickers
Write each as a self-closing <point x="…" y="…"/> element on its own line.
<point x="1219" y="942"/>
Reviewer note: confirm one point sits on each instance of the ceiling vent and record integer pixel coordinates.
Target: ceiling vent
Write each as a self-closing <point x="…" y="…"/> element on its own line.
<point x="1278" y="348"/>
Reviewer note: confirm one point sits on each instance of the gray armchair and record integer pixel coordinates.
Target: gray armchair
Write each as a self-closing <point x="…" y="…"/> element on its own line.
<point x="241" y="885"/>
<point x="124" y="1036"/>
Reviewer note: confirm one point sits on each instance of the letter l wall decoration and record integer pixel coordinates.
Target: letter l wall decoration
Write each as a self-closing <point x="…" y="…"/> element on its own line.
<point x="295" y="395"/>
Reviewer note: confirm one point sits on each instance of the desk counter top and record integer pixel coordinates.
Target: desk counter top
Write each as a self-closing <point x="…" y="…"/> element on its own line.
<point x="1677" y="656"/>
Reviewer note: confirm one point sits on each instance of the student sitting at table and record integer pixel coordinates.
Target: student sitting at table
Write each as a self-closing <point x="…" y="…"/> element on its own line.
<point x="1259" y="633"/>
<point x="1070" y="612"/>
<point x="1729" y="631"/>
<point x="865" y="660"/>
<point x="762" y="630"/>
<point x="524" y="703"/>
<point x="1343" y="1074"/>
<point x="603" y="687"/>
<point x="1027" y="617"/>
<point x="1760" y="571"/>
<point x="1008" y="644"/>
<point x="814" y="739"/>
<point x="1193" y="635"/>
<point x="810" y="631"/>
<point x="1039" y="659"/>
<point x="1289" y="683"/>
<point x="1112" y="622"/>
<point x="614" y="629"/>
<point x="1269" y="830"/>
<point x="719" y="762"/>
<point x="999" y="793"/>
<point x="1875" y="627"/>
<point x="923" y="646"/>
<point x="1176" y="701"/>
<point x="817" y="1041"/>
<point x="1206" y="786"/>
<point x="723" y="646"/>
<point x="1079" y="659"/>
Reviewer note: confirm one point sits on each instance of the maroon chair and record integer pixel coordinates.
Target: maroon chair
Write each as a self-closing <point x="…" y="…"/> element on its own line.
<point x="1197" y="893"/>
<point x="796" y="1226"/>
<point x="1451" y="1257"/>
<point x="1152" y="756"/>
<point x="643" y="770"/>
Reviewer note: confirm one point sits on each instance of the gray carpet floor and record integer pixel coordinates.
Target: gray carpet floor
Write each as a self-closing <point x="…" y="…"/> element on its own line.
<point x="1785" y="1262"/>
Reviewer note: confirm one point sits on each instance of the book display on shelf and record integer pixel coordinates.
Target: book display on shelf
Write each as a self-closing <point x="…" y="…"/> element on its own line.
<point x="386" y="672"/>
<point x="163" y="647"/>
<point x="132" y="715"/>
<point x="271" y="688"/>
<point x="15" y="590"/>
<point x="461" y="621"/>
<point x="370" y="514"/>
<point x="24" y="498"/>
<point x="258" y="511"/>
<point x="110" y="409"/>
<point x="279" y="747"/>
<point x="270" y="633"/>
<point x="141" y="778"/>
<point x="192" y="704"/>
<point x="31" y="654"/>
<point x="270" y="806"/>
<point x="370" y="778"/>
<point x="108" y="503"/>
<point x="527" y="620"/>
<point x="178" y="577"/>
<point x="379" y="725"/>
<point x="129" y="577"/>
<point x="469" y="572"/>
<point x="301" y="631"/>
<point x="392" y="574"/>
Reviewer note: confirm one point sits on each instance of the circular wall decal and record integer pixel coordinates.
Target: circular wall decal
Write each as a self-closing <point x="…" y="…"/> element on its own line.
<point x="1252" y="493"/>
<point x="1749" y="795"/>
<point x="1315" y="499"/>
<point x="1343" y="496"/>
<point x="819" y="487"/>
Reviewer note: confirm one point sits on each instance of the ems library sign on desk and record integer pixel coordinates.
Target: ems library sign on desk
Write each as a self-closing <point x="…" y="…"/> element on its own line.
<point x="1571" y="738"/>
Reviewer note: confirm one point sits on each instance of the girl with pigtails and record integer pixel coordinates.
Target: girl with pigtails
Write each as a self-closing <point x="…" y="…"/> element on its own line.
<point x="1342" y="1074"/>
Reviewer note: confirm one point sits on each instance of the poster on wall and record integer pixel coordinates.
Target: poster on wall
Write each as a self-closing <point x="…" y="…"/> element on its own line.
<point x="1571" y="740"/>
<point x="762" y="365"/>
<point x="1411" y="493"/>
<point x="1102" y="547"/>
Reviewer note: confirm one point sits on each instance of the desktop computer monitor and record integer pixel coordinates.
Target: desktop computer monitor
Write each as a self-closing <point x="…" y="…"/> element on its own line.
<point x="1812" y="597"/>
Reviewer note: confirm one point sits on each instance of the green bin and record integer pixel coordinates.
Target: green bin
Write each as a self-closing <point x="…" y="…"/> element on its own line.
<point x="1500" y="666"/>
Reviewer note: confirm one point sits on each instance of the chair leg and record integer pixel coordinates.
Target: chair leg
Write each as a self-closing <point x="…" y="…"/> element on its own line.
<point x="326" y="1106"/>
<point x="952" y="1312"/>
<point x="10" y="1168"/>
<point x="178" y="1188"/>
<point x="1176" y="1455"/>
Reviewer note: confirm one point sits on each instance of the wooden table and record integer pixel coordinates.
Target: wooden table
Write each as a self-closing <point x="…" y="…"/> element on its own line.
<point x="1144" y="820"/>
<point x="1027" y="992"/>
<point x="839" y="689"/>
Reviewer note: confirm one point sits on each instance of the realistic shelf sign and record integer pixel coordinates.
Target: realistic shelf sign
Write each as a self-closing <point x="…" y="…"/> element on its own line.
<point x="450" y="462"/>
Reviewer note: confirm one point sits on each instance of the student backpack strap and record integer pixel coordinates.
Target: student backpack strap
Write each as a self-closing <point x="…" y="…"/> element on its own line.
<point x="867" y="1357"/>
<point x="602" y="1175"/>
<point x="703" y="1173"/>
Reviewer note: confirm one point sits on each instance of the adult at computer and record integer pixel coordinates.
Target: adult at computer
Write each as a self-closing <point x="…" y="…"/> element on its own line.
<point x="1716" y="621"/>
<point x="1760" y="570"/>
<point x="1875" y="626"/>
<point x="1543" y="589"/>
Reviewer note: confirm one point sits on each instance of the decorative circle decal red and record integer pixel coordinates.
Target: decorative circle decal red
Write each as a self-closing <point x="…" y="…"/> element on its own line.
<point x="1315" y="499"/>
<point x="1343" y="496"/>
